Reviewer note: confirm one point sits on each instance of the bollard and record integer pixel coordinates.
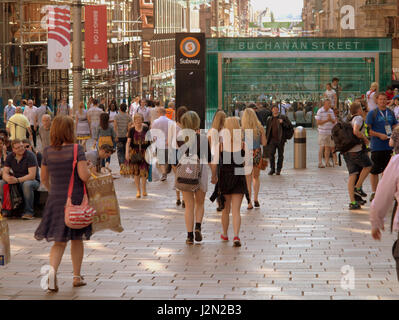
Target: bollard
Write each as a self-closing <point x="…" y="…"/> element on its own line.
<point x="300" y="148"/>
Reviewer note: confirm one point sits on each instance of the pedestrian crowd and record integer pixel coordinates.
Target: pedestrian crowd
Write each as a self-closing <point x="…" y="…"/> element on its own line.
<point x="153" y="141"/>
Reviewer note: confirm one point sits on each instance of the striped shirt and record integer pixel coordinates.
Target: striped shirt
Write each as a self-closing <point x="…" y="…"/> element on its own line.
<point x="322" y="114"/>
<point x="122" y="121"/>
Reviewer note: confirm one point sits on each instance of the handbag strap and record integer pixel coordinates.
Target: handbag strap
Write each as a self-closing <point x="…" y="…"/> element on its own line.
<point x="71" y="181"/>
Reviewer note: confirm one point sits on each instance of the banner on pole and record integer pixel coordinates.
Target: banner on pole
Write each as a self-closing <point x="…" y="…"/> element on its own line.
<point x="59" y="37"/>
<point x="96" y="55"/>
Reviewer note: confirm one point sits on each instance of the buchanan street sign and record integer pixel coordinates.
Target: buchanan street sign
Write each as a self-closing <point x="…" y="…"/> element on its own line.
<point x="299" y="44"/>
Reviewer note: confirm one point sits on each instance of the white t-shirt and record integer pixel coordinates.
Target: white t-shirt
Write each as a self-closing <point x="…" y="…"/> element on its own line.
<point x="331" y="95"/>
<point x="112" y="115"/>
<point x="359" y="121"/>
<point x="370" y="100"/>
<point x="322" y="114"/>
<point x="30" y="113"/>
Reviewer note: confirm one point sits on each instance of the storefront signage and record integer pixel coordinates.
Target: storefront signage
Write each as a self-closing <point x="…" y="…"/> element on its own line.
<point x="296" y="44"/>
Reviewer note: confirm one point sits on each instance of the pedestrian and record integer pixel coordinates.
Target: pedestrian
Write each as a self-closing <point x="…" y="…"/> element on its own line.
<point x="42" y="110"/>
<point x="9" y="111"/>
<point x="179" y="114"/>
<point x="24" y="103"/>
<point x="389" y="93"/>
<point x="18" y="126"/>
<point x="357" y="159"/>
<point x="386" y="192"/>
<point x="162" y="126"/>
<point x="136" y="147"/>
<point x="232" y="182"/>
<point x="64" y="108"/>
<point x="95" y="158"/>
<point x="380" y="121"/>
<point x="170" y="111"/>
<point x="133" y="107"/>
<point x="325" y="122"/>
<point x="276" y="127"/>
<point x="255" y="138"/>
<point x="44" y="131"/>
<point x="330" y="94"/>
<point x="144" y="111"/>
<point x="371" y="96"/>
<point x="57" y="167"/>
<point x="192" y="143"/>
<point x="337" y="88"/>
<point x="215" y="140"/>
<point x="93" y="116"/>
<point x="112" y="111"/>
<point x="395" y="106"/>
<point x="121" y="125"/>
<point x="82" y="126"/>
<point x="105" y="135"/>
<point x="30" y="114"/>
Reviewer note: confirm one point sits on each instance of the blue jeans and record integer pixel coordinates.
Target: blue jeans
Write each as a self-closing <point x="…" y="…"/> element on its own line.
<point x="27" y="189"/>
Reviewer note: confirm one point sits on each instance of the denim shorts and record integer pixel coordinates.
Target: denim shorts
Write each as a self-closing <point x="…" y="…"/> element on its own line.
<point x="356" y="161"/>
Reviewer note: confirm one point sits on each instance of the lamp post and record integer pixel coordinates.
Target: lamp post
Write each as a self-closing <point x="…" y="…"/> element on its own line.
<point x="77" y="53"/>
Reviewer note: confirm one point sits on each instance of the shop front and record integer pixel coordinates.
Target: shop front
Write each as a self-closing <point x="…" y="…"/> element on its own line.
<point x="292" y="69"/>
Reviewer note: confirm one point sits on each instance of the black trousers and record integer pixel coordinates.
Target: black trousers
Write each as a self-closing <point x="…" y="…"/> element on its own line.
<point x="272" y="148"/>
<point x="33" y="135"/>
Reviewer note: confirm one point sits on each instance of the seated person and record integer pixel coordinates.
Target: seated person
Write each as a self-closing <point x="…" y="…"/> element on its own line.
<point x="7" y="142"/>
<point x="21" y="168"/>
<point x="94" y="157"/>
<point x="3" y="150"/>
<point x="38" y="154"/>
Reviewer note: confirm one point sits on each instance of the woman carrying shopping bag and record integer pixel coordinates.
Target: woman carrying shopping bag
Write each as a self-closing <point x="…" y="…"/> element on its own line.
<point x="57" y="167"/>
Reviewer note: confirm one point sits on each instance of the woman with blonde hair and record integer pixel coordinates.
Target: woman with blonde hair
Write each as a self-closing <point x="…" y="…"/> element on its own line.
<point x="231" y="179"/>
<point x="57" y="167"/>
<point x="372" y="96"/>
<point x="136" y="147"/>
<point x="82" y="125"/>
<point x="250" y="123"/>
<point x="214" y="140"/>
<point x="195" y="200"/>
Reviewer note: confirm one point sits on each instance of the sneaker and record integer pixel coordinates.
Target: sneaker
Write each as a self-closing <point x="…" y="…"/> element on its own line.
<point x="189" y="240"/>
<point x="372" y="196"/>
<point x="236" y="242"/>
<point x="27" y="216"/>
<point x="360" y="192"/>
<point x="198" y="235"/>
<point x="224" y="238"/>
<point x="354" y="206"/>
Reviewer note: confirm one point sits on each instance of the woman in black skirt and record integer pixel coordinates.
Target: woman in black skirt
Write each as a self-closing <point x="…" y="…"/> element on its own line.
<point x="57" y="168"/>
<point x="232" y="181"/>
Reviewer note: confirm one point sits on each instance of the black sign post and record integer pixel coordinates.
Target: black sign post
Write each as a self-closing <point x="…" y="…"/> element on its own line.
<point x="190" y="72"/>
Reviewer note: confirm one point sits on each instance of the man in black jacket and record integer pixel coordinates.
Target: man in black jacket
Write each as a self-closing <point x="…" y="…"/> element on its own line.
<point x="275" y="126"/>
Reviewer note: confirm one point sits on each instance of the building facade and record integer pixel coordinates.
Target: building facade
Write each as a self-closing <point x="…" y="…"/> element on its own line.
<point x="368" y="18"/>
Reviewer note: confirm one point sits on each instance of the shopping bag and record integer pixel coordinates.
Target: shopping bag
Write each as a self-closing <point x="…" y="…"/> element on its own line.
<point x="15" y="196"/>
<point x="102" y="198"/>
<point x="6" y="198"/>
<point x="5" y="252"/>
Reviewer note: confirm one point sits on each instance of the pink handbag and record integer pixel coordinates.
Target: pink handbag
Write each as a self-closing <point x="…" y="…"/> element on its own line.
<point x="77" y="216"/>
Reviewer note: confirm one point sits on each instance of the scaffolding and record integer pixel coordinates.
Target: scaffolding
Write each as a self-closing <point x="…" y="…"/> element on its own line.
<point x="23" y="54"/>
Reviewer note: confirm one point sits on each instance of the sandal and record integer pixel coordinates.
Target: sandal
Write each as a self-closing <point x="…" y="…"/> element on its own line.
<point x="77" y="281"/>
<point x="321" y="165"/>
<point x="257" y="205"/>
<point x="138" y="195"/>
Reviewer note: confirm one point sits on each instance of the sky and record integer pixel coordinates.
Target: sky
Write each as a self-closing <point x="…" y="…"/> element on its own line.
<point x="281" y="8"/>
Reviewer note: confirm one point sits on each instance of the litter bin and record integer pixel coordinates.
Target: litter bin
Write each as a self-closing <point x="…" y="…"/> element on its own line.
<point x="300" y="148"/>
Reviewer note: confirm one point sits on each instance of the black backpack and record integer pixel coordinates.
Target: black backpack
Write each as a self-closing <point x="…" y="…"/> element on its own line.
<point x="344" y="139"/>
<point x="288" y="132"/>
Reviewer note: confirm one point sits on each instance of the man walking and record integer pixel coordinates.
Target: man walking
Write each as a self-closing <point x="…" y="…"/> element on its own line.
<point x="9" y="110"/>
<point x="30" y="113"/>
<point x="275" y="127"/>
<point x="325" y="121"/>
<point x="380" y="122"/>
<point x="121" y="125"/>
<point x="93" y="117"/>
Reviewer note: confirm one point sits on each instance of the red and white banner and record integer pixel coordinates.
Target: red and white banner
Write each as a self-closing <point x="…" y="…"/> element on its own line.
<point x="96" y="55"/>
<point x="59" y="37"/>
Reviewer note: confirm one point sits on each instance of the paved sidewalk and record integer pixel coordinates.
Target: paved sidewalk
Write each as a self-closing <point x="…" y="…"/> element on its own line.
<point x="294" y="247"/>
